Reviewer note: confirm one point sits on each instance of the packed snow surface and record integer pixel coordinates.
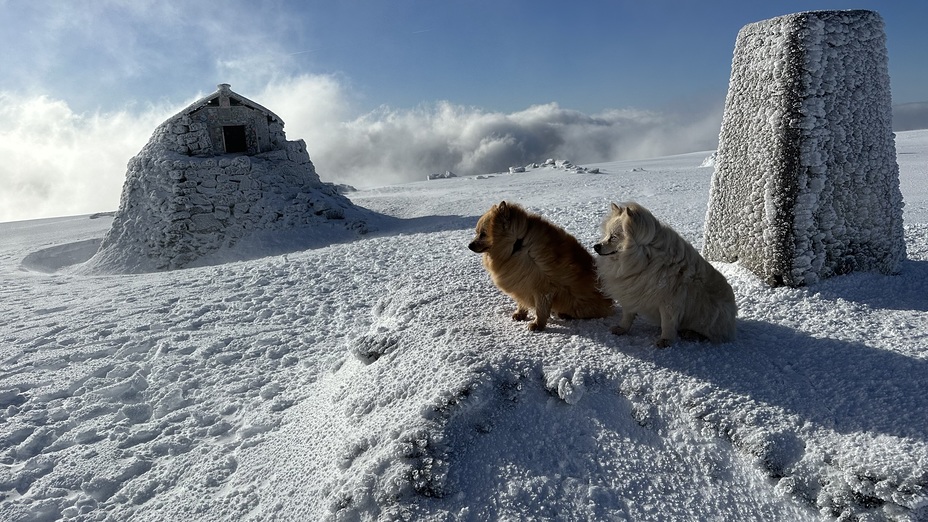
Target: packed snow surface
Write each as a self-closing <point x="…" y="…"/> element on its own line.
<point x="383" y="378"/>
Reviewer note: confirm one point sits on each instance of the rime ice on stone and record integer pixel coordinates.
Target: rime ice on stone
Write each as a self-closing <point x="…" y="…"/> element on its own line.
<point x="217" y="173"/>
<point x="806" y="184"/>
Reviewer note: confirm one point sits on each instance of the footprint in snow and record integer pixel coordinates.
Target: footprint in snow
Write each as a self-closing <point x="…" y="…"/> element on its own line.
<point x="368" y="348"/>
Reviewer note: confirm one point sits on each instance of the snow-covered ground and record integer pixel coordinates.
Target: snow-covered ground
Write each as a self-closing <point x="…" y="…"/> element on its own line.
<point x="383" y="378"/>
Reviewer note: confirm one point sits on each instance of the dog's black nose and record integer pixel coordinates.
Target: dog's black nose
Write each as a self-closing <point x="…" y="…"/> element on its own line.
<point x="597" y="247"/>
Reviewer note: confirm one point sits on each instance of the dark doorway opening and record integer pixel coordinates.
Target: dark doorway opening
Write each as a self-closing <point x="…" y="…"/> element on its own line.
<point x="234" y="138"/>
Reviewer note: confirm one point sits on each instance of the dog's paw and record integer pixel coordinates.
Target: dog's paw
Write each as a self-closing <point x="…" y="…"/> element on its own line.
<point x="663" y="343"/>
<point x="618" y="330"/>
<point x="520" y="315"/>
<point x="535" y="326"/>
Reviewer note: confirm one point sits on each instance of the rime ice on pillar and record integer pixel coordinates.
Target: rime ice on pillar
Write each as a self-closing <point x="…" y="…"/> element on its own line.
<point x="806" y="184"/>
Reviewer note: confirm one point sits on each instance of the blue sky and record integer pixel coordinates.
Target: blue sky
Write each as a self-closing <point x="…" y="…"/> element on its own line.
<point x="498" y="55"/>
<point x="383" y="92"/>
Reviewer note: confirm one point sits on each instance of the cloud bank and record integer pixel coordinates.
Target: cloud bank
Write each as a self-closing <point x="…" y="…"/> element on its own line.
<point x="910" y="116"/>
<point x="58" y="162"/>
<point x="55" y="162"/>
<point x="388" y="145"/>
<point x="393" y="146"/>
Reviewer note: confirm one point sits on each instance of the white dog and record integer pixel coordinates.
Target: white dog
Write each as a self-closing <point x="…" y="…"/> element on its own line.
<point x="650" y="270"/>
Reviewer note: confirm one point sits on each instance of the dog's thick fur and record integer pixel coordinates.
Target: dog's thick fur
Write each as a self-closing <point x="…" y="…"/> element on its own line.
<point x="542" y="267"/>
<point x="650" y="270"/>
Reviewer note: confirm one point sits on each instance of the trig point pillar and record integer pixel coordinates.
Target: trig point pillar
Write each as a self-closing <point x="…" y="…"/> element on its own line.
<point x="806" y="184"/>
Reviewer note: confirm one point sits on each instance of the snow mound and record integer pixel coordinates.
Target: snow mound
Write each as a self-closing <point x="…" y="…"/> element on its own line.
<point x="550" y="163"/>
<point x="806" y="184"/>
<point x="54" y="258"/>
<point x="709" y="161"/>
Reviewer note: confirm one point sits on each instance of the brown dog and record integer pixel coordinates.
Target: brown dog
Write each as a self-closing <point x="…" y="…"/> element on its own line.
<point x="539" y="265"/>
<point x="650" y="270"/>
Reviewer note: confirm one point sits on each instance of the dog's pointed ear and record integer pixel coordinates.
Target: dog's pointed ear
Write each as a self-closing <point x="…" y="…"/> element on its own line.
<point x="503" y="209"/>
<point x="634" y="212"/>
<point x="617" y="210"/>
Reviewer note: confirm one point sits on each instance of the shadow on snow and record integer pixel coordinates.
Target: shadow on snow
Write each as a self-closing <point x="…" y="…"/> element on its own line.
<point x="58" y="257"/>
<point x="846" y="386"/>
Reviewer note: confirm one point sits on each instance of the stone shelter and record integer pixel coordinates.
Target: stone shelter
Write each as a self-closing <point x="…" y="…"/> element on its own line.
<point x="215" y="177"/>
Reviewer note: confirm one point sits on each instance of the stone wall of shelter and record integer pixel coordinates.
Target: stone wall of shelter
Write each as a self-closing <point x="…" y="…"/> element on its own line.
<point x="182" y="201"/>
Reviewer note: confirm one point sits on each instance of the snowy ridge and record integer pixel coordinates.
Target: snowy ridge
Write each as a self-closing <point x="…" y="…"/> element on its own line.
<point x="382" y="378"/>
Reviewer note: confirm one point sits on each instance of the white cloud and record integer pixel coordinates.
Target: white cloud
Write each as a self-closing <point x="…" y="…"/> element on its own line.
<point x="910" y="116"/>
<point x="56" y="162"/>
<point x="59" y="162"/>
<point x="400" y="145"/>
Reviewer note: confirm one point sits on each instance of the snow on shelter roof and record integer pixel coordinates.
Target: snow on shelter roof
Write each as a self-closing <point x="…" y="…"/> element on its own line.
<point x="225" y="97"/>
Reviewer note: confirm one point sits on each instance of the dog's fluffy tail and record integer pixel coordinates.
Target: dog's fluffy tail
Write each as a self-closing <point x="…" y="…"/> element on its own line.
<point x="725" y="326"/>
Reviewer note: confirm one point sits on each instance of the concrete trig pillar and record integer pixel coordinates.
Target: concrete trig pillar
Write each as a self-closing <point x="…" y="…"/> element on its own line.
<point x="806" y="184"/>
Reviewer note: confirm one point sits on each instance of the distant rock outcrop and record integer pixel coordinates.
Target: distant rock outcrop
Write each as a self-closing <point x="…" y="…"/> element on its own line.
<point x="447" y="175"/>
<point x="806" y="184"/>
<point x="216" y="174"/>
